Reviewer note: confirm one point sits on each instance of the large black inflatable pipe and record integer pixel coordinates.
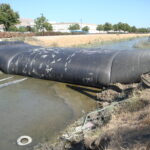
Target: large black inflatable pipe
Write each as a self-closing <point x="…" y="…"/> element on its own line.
<point x="91" y="67"/>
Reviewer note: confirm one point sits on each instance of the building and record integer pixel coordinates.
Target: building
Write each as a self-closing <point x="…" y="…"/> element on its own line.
<point x="1" y="28"/>
<point x="57" y="27"/>
<point x="24" y="22"/>
<point x="63" y="26"/>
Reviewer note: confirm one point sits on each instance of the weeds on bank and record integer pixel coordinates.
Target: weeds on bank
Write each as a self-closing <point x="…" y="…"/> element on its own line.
<point x="130" y="123"/>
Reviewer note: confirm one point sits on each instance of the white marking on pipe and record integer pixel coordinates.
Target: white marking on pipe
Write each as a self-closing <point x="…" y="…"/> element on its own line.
<point x="59" y="59"/>
<point x="44" y="56"/>
<point x="16" y="63"/>
<point x="49" y="70"/>
<point x="40" y="66"/>
<point x="91" y="73"/>
<point x="53" y="62"/>
<point x="65" y="69"/>
<point x="69" y="61"/>
<point x="53" y="55"/>
<point x="66" y="64"/>
<point x="73" y="54"/>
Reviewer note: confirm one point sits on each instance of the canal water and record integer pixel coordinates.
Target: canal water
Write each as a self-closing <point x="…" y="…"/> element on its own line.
<point x="41" y="108"/>
<point x="121" y="45"/>
<point x="124" y="45"/>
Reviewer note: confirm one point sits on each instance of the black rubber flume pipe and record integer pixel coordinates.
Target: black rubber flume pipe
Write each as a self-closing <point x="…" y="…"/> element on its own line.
<point x="91" y="67"/>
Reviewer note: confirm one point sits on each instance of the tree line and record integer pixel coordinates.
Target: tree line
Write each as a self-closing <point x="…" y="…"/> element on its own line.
<point x="121" y="27"/>
<point x="9" y="18"/>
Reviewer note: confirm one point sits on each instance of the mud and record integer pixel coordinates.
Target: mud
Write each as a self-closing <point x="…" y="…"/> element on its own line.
<point x="122" y="124"/>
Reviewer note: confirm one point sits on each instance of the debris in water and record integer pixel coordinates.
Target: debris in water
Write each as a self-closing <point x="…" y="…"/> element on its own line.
<point x="24" y="140"/>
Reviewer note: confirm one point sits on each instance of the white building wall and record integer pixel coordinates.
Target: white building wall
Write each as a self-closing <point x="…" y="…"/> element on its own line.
<point x="1" y="28"/>
<point x="63" y="27"/>
<point x="25" y="23"/>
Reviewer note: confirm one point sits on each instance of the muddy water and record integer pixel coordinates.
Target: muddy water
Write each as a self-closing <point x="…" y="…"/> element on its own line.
<point x="37" y="108"/>
<point x="40" y="108"/>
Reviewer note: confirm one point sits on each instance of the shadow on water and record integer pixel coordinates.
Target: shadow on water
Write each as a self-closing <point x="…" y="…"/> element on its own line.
<point x="90" y="92"/>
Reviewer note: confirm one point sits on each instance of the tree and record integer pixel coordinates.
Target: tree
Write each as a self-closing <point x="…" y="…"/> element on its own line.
<point x="123" y="26"/>
<point x="107" y="26"/>
<point x="8" y="17"/>
<point x="120" y="26"/>
<point x="74" y="27"/>
<point x="22" y="29"/>
<point x="13" y="29"/>
<point x="133" y="29"/>
<point x="127" y="27"/>
<point x="115" y="27"/>
<point x="142" y="30"/>
<point x="29" y="29"/>
<point x="85" y="29"/>
<point x="48" y="26"/>
<point x="42" y="24"/>
<point x="100" y="27"/>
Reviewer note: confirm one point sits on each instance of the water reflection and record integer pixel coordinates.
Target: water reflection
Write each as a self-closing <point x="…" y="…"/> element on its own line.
<point x="37" y="108"/>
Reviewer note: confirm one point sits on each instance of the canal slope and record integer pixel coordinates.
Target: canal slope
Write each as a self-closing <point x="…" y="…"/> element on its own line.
<point x="79" y="40"/>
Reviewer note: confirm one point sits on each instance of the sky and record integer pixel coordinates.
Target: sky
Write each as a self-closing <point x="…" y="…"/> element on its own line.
<point x="133" y="12"/>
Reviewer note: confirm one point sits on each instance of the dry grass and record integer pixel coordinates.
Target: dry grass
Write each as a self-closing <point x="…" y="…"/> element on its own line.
<point x="75" y="40"/>
<point x="128" y="129"/>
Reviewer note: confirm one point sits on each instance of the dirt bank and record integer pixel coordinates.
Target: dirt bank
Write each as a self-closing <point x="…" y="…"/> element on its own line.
<point x="15" y="34"/>
<point x="123" y="122"/>
<point x="76" y="40"/>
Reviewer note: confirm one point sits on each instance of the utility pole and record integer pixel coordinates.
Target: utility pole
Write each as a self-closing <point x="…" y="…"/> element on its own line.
<point x="81" y="23"/>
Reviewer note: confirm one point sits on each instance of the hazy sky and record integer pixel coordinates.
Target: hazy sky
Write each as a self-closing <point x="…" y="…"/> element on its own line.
<point x="134" y="12"/>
